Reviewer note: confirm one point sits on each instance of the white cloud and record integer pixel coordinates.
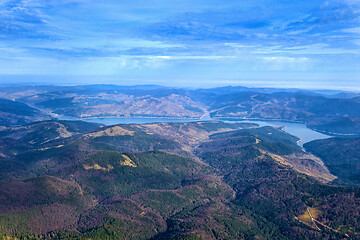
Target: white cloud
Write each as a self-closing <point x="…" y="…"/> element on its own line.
<point x="280" y="63"/>
<point x="285" y="59"/>
<point x="352" y="30"/>
<point x="311" y="49"/>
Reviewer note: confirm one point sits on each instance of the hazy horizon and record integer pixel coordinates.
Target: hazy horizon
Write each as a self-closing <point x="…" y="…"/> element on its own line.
<point x="33" y="80"/>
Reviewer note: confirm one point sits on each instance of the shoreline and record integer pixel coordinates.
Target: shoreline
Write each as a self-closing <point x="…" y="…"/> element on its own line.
<point x="292" y="121"/>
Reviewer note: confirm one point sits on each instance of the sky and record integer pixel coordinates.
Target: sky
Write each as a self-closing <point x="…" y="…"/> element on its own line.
<point x="184" y="43"/>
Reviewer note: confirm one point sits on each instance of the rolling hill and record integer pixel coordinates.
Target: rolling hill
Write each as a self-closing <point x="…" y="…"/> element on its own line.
<point x="198" y="180"/>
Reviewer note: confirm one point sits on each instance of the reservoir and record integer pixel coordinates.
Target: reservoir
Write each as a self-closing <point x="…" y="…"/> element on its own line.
<point x="297" y="129"/>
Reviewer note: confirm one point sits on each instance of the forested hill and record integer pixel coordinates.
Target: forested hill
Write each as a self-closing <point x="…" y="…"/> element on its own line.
<point x="198" y="180"/>
<point x="341" y="156"/>
<point x="18" y="113"/>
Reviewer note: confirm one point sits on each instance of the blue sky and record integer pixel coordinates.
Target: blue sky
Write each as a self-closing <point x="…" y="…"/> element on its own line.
<point x="194" y="43"/>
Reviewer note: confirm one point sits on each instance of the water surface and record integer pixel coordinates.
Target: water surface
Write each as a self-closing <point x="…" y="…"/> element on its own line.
<point x="297" y="129"/>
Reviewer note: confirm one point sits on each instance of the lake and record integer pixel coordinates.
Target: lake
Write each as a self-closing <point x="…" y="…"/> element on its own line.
<point x="297" y="129"/>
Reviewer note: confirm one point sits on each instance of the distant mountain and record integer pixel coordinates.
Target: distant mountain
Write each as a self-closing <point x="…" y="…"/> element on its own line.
<point x="116" y="101"/>
<point x="346" y="95"/>
<point x="330" y="115"/>
<point x="198" y="180"/>
<point x="331" y="112"/>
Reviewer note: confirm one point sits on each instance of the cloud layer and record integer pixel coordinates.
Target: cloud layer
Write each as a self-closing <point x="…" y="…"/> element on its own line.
<point x="180" y="42"/>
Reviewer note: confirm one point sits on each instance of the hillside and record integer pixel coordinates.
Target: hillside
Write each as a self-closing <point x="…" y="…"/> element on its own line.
<point x="341" y="156"/>
<point x="199" y="180"/>
<point x="40" y="133"/>
<point x="18" y="113"/>
<point x="267" y="185"/>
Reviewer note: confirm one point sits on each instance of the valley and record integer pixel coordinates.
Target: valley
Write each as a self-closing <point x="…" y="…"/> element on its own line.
<point x="179" y="120"/>
<point x="195" y="180"/>
<point x="332" y="114"/>
<point x="151" y="162"/>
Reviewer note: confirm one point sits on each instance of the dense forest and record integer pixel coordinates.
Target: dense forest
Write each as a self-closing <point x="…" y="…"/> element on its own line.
<point x="197" y="180"/>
